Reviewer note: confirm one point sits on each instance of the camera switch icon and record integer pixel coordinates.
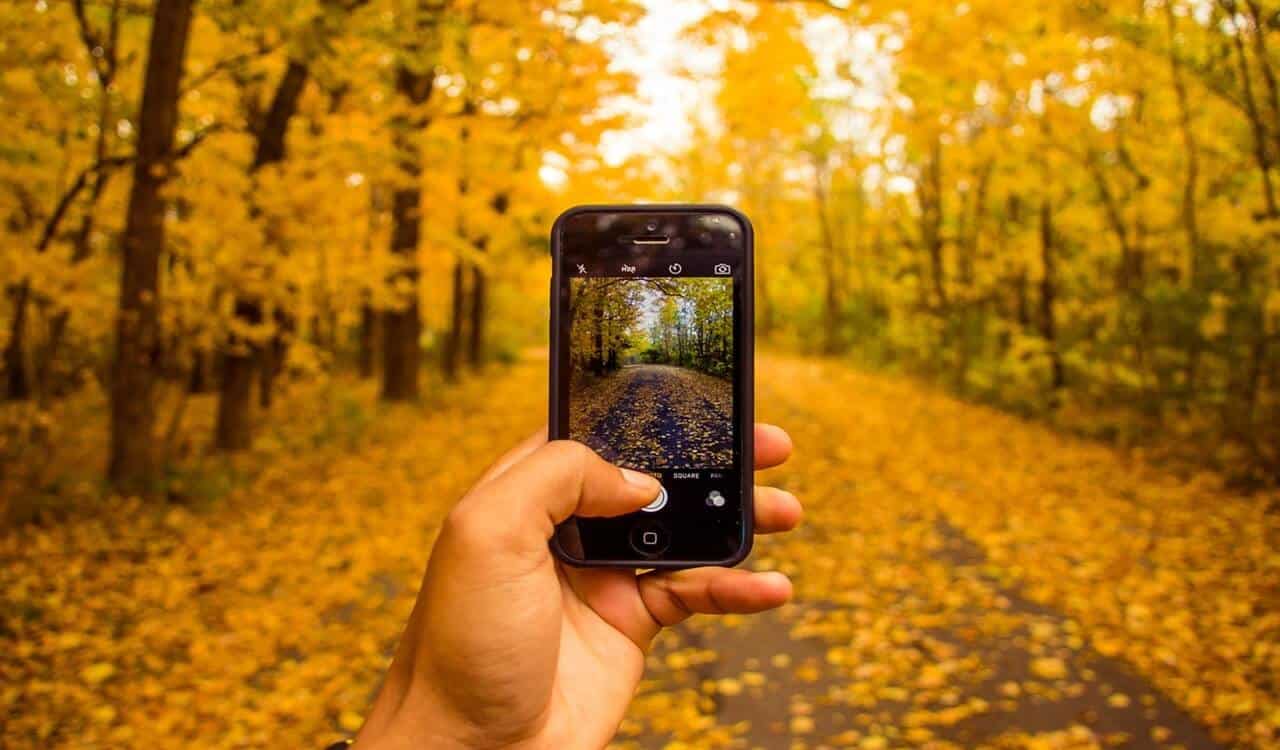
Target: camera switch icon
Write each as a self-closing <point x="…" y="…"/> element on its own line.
<point x="675" y="269"/>
<point x="723" y="269"/>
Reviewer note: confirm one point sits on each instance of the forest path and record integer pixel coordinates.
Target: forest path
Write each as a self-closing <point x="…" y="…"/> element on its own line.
<point x="681" y="416"/>
<point x="963" y="579"/>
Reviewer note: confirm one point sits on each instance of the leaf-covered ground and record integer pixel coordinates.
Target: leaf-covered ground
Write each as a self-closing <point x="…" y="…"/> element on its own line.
<point x="656" y="416"/>
<point x="964" y="579"/>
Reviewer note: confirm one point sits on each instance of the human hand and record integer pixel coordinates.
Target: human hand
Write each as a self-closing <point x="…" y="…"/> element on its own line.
<point x="508" y="648"/>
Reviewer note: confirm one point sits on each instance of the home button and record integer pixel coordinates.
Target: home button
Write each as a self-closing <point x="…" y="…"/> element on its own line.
<point x="650" y="538"/>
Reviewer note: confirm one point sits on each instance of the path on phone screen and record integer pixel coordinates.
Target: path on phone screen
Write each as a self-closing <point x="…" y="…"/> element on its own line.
<point x="963" y="579"/>
<point x="658" y="416"/>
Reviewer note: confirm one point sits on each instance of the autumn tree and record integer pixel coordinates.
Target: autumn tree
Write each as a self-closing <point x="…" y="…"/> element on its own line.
<point x="257" y="343"/>
<point x="138" y="334"/>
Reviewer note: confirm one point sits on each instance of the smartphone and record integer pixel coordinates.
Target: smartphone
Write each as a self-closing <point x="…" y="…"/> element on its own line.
<point x="651" y="366"/>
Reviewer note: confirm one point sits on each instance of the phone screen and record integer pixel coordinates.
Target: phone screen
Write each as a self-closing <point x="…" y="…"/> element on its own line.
<point x="651" y="324"/>
<point x="651" y="371"/>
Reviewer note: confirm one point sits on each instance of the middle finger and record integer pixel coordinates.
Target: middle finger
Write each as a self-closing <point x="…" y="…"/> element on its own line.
<point x="776" y="510"/>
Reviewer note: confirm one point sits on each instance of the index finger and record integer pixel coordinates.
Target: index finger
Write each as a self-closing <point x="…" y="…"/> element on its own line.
<point x="773" y="446"/>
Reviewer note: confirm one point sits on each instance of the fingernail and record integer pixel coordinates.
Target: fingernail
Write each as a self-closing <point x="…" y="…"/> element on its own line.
<point x="638" y="479"/>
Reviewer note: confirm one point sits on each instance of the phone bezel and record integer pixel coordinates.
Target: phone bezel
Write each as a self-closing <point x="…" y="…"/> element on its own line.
<point x="745" y="393"/>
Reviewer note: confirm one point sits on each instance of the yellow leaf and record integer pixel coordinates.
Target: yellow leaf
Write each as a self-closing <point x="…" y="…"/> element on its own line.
<point x="98" y="673"/>
<point x="103" y="714"/>
<point x="1049" y="668"/>
<point x="350" y="721"/>
<point x="728" y="686"/>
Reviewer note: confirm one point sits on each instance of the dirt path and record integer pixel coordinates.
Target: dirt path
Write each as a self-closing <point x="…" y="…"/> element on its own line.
<point x="781" y="681"/>
<point x="679" y="417"/>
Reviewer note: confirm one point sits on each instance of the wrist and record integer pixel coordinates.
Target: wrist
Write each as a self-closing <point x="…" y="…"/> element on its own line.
<point x="407" y="715"/>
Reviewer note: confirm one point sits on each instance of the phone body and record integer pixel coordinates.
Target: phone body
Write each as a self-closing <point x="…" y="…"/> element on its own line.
<point x="652" y="347"/>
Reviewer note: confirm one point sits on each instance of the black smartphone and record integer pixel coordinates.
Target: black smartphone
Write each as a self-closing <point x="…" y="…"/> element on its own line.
<point x="651" y="366"/>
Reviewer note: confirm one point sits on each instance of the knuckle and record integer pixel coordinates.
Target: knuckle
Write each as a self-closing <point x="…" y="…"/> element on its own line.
<point x="468" y="524"/>
<point x="572" y="458"/>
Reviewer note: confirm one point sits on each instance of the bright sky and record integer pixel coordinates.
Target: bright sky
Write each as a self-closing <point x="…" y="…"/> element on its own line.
<point x="677" y="80"/>
<point x="675" y="83"/>
<point x="667" y="97"/>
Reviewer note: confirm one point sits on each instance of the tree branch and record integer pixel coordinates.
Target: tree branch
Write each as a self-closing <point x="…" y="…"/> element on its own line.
<point x="107" y="166"/>
<point x="187" y="148"/>
<point x="69" y="195"/>
<point x="225" y="65"/>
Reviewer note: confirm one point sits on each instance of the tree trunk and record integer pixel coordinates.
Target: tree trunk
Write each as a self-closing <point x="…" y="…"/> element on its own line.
<point x="1191" y="146"/>
<point x="202" y="376"/>
<point x="1256" y="124"/>
<point x="234" y="418"/>
<point x="1048" y="294"/>
<point x="271" y="150"/>
<point x="1198" y="263"/>
<point x="369" y="328"/>
<point x="968" y="249"/>
<point x="17" y="385"/>
<point x="234" y="397"/>
<point x="453" y="337"/>
<point x="268" y="368"/>
<point x="929" y="191"/>
<point x="402" y="327"/>
<point x="475" y="348"/>
<point x="830" y="298"/>
<point x="133" y="415"/>
<point x="479" y="291"/>
<point x="598" y="328"/>
<point x="273" y="356"/>
<point x="1262" y="56"/>
<point x="49" y="352"/>
<point x="233" y="431"/>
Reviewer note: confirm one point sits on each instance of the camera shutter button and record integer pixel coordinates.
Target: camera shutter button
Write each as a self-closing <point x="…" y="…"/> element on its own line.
<point x="658" y="503"/>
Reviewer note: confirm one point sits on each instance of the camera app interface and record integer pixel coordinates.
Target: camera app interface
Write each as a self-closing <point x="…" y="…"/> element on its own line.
<point x="651" y="371"/>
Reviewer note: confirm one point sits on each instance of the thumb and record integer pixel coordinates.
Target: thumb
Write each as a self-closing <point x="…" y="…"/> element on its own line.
<point x="557" y="480"/>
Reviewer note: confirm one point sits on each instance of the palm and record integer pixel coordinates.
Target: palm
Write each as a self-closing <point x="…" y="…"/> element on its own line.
<point x="599" y="665"/>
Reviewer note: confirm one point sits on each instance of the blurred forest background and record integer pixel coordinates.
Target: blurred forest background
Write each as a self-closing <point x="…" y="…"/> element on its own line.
<point x="1070" y="212"/>
<point x="274" y="290"/>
